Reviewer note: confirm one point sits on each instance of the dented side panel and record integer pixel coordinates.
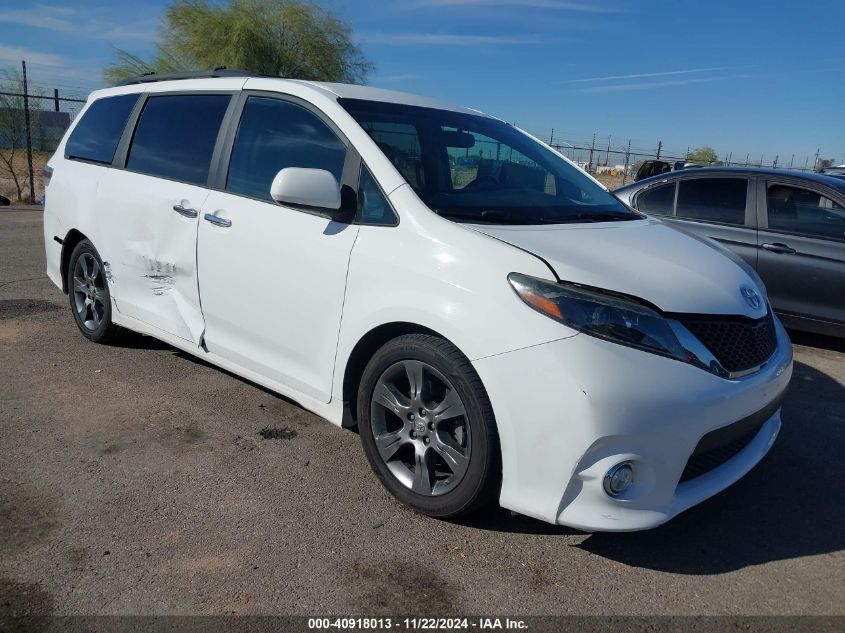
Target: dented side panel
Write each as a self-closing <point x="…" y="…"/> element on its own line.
<point x="149" y="250"/>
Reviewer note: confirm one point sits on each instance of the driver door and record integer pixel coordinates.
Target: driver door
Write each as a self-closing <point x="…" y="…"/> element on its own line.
<point x="802" y="250"/>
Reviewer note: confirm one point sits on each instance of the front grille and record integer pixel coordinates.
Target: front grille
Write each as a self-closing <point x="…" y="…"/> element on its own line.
<point x="720" y="445"/>
<point x="703" y="462"/>
<point x="738" y="344"/>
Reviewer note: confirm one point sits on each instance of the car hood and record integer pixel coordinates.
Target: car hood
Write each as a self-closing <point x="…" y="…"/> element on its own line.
<point x="643" y="258"/>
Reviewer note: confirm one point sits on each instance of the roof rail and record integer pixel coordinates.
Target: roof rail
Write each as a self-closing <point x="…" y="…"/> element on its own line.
<point x="220" y="71"/>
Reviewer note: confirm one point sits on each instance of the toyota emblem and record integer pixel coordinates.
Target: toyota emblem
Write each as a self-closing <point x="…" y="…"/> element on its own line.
<point x="751" y="297"/>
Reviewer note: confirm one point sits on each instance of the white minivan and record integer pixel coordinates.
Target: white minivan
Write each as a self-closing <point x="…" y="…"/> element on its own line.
<point x="492" y="320"/>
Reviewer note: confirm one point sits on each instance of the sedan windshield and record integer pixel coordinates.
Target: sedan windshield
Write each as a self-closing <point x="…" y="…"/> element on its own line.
<point x="473" y="168"/>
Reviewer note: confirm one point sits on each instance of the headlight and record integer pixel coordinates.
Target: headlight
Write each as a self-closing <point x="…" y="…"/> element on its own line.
<point x="599" y="314"/>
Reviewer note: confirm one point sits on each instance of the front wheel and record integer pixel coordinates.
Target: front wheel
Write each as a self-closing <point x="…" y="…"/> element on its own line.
<point x="90" y="300"/>
<point x="427" y="426"/>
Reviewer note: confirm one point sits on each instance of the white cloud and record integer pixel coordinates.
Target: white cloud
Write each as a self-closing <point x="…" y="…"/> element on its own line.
<point x="649" y="85"/>
<point x="14" y="55"/>
<point x="557" y="5"/>
<point x="443" y="39"/>
<point x="70" y="22"/>
<point x="645" y="75"/>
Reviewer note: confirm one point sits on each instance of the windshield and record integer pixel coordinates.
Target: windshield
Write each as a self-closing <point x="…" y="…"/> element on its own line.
<point x="472" y="168"/>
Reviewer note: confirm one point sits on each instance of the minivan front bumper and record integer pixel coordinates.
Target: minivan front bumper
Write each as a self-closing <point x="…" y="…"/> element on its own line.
<point x="569" y="410"/>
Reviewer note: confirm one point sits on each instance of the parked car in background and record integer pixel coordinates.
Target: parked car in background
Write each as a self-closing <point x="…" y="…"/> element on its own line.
<point x="656" y="167"/>
<point x="652" y="168"/>
<point x="839" y="170"/>
<point x="789" y="226"/>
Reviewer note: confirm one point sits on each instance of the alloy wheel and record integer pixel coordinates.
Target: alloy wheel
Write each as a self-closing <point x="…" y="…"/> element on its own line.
<point x="89" y="293"/>
<point x="420" y="427"/>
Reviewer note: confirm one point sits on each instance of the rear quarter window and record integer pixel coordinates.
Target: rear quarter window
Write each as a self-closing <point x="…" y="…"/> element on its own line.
<point x="721" y="200"/>
<point x="175" y="136"/>
<point x="97" y="134"/>
<point x="659" y="200"/>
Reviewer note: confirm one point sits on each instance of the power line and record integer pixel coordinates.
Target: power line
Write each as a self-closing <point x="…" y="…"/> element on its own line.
<point x="27" y="96"/>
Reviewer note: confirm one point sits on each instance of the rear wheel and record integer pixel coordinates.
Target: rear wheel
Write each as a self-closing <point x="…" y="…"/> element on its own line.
<point x="427" y="426"/>
<point x="89" y="295"/>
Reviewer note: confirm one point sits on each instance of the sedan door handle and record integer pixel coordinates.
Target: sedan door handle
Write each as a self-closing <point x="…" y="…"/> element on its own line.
<point x="778" y="247"/>
<point x="216" y="220"/>
<point x="186" y="211"/>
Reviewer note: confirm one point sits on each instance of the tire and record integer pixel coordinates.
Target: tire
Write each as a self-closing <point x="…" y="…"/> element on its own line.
<point x="435" y="448"/>
<point x="90" y="300"/>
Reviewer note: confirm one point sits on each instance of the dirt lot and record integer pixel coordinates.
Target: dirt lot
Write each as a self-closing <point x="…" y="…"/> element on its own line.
<point x="136" y="480"/>
<point x="17" y="160"/>
<point x="612" y="181"/>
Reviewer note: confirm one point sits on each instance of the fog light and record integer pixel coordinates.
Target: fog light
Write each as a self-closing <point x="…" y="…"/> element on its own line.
<point x="618" y="479"/>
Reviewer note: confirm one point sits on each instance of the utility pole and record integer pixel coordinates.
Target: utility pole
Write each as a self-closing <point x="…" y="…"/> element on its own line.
<point x="592" y="149"/>
<point x="790" y="161"/>
<point x="816" y="164"/>
<point x="28" y="135"/>
<point x="746" y="158"/>
<point x="607" y="155"/>
<point x="775" y="164"/>
<point x="659" y="147"/>
<point x="56" y="98"/>
<point x="761" y="160"/>
<point x="627" y="161"/>
<point x="806" y="160"/>
<point x="552" y="137"/>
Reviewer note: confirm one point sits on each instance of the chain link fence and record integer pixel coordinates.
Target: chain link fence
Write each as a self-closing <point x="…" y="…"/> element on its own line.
<point x="33" y="120"/>
<point x="616" y="166"/>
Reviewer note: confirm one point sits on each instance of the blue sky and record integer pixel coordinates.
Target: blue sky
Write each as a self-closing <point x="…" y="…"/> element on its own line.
<point x="743" y="77"/>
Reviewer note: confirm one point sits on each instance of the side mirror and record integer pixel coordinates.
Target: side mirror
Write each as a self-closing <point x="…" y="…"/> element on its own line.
<point x="314" y="190"/>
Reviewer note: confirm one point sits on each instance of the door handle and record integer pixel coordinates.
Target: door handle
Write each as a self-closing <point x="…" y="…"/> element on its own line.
<point x="186" y="211"/>
<point x="216" y="220"/>
<point x="778" y="247"/>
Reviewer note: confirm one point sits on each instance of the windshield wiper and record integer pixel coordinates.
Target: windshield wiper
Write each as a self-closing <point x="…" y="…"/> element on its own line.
<point x="591" y="216"/>
<point x="484" y="217"/>
<point x="493" y="216"/>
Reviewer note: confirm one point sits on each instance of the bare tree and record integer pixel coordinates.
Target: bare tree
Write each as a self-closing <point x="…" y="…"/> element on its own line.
<point x="13" y="131"/>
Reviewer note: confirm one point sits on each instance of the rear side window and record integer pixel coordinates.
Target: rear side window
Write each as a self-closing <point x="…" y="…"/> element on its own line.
<point x="274" y="134"/>
<point x="175" y="136"/>
<point x="805" y="212"/>
<point x="657" y="200"/>
<point x="713" y="199"/>
<point x="96" y="136"/>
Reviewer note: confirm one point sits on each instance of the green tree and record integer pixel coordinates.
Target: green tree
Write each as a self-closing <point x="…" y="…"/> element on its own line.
<point x="702" y="156"/>
<point x="288" y="38"/>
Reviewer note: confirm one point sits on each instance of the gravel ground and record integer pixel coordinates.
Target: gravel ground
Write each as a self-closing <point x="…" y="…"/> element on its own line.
<point x="135" y="480"/>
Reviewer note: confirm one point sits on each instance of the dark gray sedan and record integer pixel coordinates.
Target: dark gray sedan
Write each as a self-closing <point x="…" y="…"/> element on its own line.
<point x="789" y="226"/>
